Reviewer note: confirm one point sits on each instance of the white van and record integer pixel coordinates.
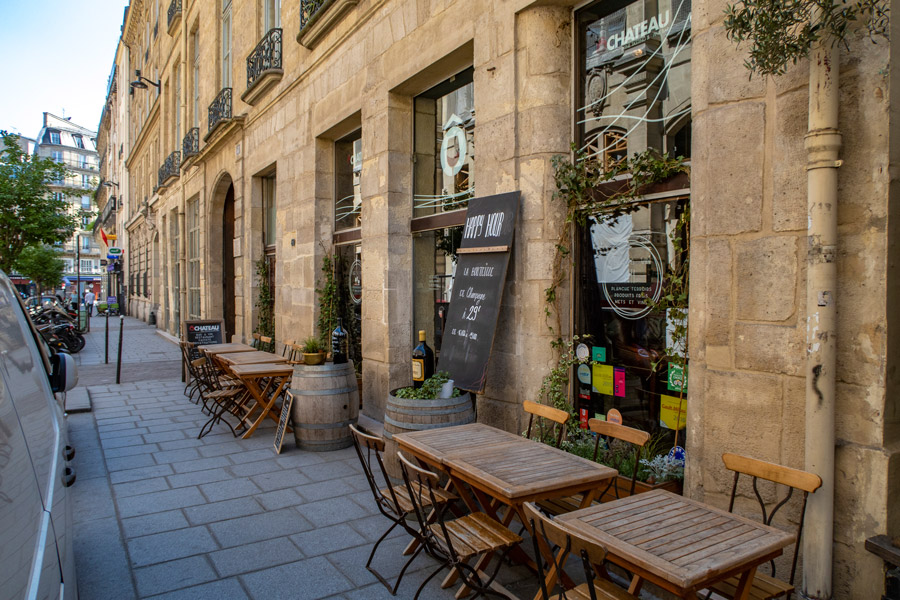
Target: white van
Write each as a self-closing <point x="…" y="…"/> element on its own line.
<point x="36" y="558"/>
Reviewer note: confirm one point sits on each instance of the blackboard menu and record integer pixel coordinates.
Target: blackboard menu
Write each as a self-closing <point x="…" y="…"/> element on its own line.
<point x="203" y="333"/>
<point x="478" y="289"/>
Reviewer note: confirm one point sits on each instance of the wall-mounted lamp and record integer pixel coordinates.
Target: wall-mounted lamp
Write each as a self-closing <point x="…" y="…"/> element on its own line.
<point x="139" y="81"/>
<point x="110" y="183"/>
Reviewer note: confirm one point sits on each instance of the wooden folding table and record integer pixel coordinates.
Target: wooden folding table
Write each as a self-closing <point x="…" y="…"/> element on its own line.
<point x="277" y="375"/>
<point x="677" y="543"/>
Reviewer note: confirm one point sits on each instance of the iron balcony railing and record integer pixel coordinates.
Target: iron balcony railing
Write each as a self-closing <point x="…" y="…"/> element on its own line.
<point x="220" y="109"/>
<point x="170" y="168"/>
<point x="308" y="9"/>
<point x="190" y="146"/>
<point x="266" y="56"/>
<point x="174" y="10"/>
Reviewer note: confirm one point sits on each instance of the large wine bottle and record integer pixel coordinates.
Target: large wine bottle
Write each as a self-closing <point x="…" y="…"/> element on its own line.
<point x="422" y="361"/>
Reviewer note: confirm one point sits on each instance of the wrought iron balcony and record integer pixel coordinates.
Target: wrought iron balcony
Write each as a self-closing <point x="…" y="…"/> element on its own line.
<point x="170" y="168"/>
<point x="308" y="9"/>
<point x="265" y="57"/>
<point x="190" y="146"/>
<point x="174" y="12"/>
<point x="220" y="109"/>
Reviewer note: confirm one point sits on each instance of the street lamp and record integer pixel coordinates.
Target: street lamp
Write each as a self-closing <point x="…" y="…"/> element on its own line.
<point x="139" y="81"/>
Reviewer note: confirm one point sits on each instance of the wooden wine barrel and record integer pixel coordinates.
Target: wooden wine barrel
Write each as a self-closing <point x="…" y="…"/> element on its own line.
<point x="326" y="403"/>
<point x="402" y="415"/>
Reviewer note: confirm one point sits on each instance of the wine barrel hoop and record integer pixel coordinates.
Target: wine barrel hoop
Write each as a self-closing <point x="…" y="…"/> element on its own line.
<point x="326" y="403"/>
<point x="421" y="426"/>
<point x="446" y="411"/>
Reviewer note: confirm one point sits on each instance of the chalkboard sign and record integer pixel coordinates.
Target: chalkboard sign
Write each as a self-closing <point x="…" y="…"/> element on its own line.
<point x="283" y="420"/>
<point x="478" y="289"/>
<point x="201" y="333"/>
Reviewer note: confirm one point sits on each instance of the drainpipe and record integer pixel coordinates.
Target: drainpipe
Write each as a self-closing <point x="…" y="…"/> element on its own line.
<point x="823" y="141"/>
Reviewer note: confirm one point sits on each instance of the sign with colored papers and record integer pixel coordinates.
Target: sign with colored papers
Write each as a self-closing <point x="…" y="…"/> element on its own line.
<point x="672" y="412"/>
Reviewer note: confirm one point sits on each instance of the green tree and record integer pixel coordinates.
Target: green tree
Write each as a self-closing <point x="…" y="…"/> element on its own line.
<point x="41" y="264"/>
<point x="29" y="213"/>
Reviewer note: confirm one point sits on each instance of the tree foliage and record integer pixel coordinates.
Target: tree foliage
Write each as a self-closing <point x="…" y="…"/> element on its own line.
<point x="781" y="32"/>
<point x="41" y="264"/>
<point x="29" y="214"/>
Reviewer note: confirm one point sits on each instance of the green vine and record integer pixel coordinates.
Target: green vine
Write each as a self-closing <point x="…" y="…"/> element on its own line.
<point x="782" y="32"/>
<point x="578" y="184"/>
<point x="265" y="300"/>
<point x="555" y="385"/>
<point x="328" y="301"/>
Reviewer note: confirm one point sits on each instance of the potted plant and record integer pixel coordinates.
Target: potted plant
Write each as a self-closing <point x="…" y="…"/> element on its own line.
<point x="313" y="353"/>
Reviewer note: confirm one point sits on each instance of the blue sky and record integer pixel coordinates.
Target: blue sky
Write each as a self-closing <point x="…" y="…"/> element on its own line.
<point x="57" y="56"/>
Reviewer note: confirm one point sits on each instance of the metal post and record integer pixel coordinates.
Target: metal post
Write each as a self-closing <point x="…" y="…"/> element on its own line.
<point x="78" y="297"/>
<point x="106" y="358"/>
<point x="119" y="358"/>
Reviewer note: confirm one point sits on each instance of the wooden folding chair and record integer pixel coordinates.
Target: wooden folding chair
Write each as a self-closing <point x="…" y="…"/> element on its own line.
<point x="287" y="350"/>
<point x="612" y="431"/>
<point x="219" y="395"/>
<point x="544" y="413"/>
<point x="455" y="542"/>
<point x="767" y="586"/>
<point x="189" y="354"/>
<point x="255" y="342"/>
<point x="545" y="531"/>
<point x="392" y="501"/>
<point x="266" y="344"/>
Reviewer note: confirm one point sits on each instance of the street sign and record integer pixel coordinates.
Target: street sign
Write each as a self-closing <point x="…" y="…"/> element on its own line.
<point x="114" y="251"/>
<point x="111" y="236"/>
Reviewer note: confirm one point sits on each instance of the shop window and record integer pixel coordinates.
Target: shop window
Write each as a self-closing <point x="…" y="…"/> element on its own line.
<point x="622" y="260"/>
<point x="348" y="277"/>
<point x="444" y="147"/>
<point x="347" y="170"/>
<point x="269" y="224"/>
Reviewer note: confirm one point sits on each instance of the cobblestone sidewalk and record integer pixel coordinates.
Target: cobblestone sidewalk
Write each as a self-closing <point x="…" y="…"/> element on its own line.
<point x="162" y="514"/>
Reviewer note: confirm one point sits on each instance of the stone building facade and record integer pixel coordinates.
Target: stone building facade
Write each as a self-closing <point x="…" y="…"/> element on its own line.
<point x="278" y="132"/>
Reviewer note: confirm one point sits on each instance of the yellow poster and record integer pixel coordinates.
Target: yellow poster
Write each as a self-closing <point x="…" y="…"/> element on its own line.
<point x="603" y="379"/>
<point x="669" y="409"/>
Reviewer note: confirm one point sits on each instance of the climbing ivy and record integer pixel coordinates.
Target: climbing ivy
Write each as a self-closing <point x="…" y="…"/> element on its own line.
<point x="265" y="300"/>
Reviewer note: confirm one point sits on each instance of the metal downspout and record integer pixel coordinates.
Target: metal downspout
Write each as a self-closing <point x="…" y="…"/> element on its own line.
<point x="823" y="142"/>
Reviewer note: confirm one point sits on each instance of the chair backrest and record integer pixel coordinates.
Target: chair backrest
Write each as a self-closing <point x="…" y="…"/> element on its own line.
<point x="778" y="474"/>
<point x="255" y="342"/>
<point x="287" y="350"/>
<point x="543" y="412"/>
<point x="266" y="344"/>
<point x="420" y="484"/>
<point x="545" y="530"/>
<point x="369" y="449"/>
<point x="635" y="437"/>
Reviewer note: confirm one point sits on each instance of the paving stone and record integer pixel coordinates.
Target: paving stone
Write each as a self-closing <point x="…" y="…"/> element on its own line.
<point x="329" y="470"/>
<point x="173" y="575"/>
<point x="279" y="499"/>
<point x="141" y="486"/>
<point x="255" y="468"/>
<point x="101" y="562"/>
<point x="279" y="479"/>
<point x="130" y="450"/>
<point x="332" y="511"/>
<point x="129" y="462"/>
<point x="198" y="477"/>
<point x="120" y="442"/>
<point x="388" y="561"/>
<point x="297" y="458"/>
<point x="165" y="436"/>
<point x="154" y="523"/>
<point x="223" y="589"/>
<point x="245" y="530"/>
<point x="253" y="455"/>
<point x="91" y="499"/>
<point x="325" y="489"/>
<point x="142" y="473"/>
<point x="104" y="429"/>
<point x="163" y="547"/>
<point x="171" y="456"/>
<point x="221" y="449"/>
<point x="233" y="488"/>
<point x="302" y="580"/>
<point x="200" y="464"/>
<point x="160" y="501"/>
<point x="169" y="427"/>
<point x="252" y="557"/>
<point x="372" y="527"/>
<point x="220" y="511"/>
<point x="192" y="442"/>
<point x="324" y="540"/>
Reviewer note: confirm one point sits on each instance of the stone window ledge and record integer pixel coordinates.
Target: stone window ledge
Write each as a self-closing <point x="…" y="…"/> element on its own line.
<point x="263" y="84"/>
<point x="328" y="15"/>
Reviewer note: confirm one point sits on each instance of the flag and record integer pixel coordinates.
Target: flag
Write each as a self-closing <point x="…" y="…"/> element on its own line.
<point x="103" y="235"/>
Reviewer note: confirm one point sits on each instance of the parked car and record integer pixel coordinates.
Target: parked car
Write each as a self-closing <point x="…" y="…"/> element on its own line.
<point x="35" y="513"/>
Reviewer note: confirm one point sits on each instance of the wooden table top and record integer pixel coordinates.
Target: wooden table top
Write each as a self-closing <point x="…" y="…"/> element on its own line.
<point x="507" y="466"/>
<point x="248" y="358"/>
<point x="226" y="348"/>
<point x="681" y="541"/>
<point x="263" y="370"/>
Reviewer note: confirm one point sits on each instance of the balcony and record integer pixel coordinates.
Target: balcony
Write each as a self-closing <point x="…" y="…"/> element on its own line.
<point x="318" y="17"/>
<point x="171" y="168"/>
<point x="190" y="146"/>
<point x="263" y="67"/>
<point x="219" y="111"/>
<point x="174" y="16"/>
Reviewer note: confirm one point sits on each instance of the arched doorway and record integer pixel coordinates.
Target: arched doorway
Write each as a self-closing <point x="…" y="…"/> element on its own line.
<point x="228" y="302"/>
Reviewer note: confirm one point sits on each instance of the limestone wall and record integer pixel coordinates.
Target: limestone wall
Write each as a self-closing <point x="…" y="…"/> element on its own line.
<point x="748" y="265"/>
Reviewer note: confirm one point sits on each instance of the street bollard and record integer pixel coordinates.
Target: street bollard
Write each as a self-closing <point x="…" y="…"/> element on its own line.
<point x="119" y="358"/>
<point x="106" y="355"/>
